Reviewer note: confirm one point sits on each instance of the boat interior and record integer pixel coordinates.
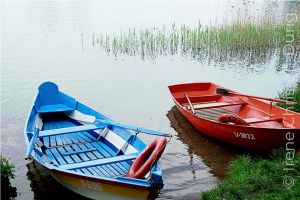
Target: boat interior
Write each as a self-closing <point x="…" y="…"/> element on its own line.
<point x="80" y="150"/>
<point x="203" y="101"/>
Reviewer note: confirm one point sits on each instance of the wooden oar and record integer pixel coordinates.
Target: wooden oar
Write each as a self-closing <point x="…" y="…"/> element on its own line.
<point x="190" y="103"/>
<point x="130" y="127"/>
<point x="31" y="144"/>
<point x="223" y="91"/>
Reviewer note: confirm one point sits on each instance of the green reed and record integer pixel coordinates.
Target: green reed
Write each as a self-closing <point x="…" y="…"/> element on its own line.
<point x="291" y="94"/>
<point x="253" y="40"/>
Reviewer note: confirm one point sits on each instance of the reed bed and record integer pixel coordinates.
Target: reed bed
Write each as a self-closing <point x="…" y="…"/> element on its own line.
<point x="243" y="40"/>
<point x="291" y="94"/>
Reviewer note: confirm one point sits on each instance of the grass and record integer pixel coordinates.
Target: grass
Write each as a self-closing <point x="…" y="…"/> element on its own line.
<point x="291" y="94"/>
<point x="7" y="169"/>
<point x="255" y="40"/>
<point x="258" y="178"/>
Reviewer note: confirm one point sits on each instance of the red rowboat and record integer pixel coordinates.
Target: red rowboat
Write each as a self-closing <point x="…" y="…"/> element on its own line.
<point x="245" y="121"/>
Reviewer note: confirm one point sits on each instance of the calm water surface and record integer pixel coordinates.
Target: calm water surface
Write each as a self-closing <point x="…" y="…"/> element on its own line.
<point x="43" y="41"/>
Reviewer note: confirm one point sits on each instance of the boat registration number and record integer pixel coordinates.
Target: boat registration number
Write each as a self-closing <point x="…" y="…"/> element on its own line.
<point x="90" y="185"/>
<point x="248" y="136"/>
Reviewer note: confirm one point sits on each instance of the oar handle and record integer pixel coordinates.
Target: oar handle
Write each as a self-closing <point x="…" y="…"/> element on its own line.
<point x="266" y="98"/>
<point x="223" y="91"/>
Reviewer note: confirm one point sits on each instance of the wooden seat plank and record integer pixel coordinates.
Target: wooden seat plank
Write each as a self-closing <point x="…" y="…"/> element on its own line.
<point x="217" y="105"/>
<point x="199" y="96"/>
<point x="102" y="161"/>
<point x="72" y="129"/>
<point x="54" y="108"/>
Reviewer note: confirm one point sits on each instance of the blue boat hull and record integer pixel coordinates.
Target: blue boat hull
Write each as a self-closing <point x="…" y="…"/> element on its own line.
<point x="86" y="156"/>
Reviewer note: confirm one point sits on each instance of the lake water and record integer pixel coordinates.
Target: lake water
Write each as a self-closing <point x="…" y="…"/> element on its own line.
<point x="52" y="41"/>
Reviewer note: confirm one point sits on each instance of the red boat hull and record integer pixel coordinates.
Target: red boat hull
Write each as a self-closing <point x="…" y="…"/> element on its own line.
<point x="248" y="137"/>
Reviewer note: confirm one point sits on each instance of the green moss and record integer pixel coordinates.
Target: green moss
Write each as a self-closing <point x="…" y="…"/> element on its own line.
<point x="258" y="178"/>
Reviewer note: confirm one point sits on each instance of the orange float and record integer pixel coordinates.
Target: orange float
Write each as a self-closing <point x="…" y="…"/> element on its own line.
<point x="150" y="155"/>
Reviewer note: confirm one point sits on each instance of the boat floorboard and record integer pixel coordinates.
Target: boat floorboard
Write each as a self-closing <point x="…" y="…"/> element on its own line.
<point x="212" y="113"/>
<point x="80" y="147"/>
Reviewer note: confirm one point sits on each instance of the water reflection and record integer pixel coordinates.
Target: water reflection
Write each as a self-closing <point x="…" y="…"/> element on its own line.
<point x="44" y="186"/>
<point x="216" y="155"/>
<point x="7" y="190"/>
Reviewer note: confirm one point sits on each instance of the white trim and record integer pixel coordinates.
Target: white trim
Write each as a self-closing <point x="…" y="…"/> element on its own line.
<point x="38" y="122"/>
<point x="130" y="149"/>
<point x="102" y="133"/>
<point x="118" y="142"/>
<point x="79" y="116"/>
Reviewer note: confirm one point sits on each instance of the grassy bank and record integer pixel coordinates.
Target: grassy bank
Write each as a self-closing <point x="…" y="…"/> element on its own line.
<point x="251" y="178"/>
<point x="255" y="40"/>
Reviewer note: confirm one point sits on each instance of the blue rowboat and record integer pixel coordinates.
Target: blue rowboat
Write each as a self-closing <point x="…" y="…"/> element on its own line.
<point x="84" y="150"/>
